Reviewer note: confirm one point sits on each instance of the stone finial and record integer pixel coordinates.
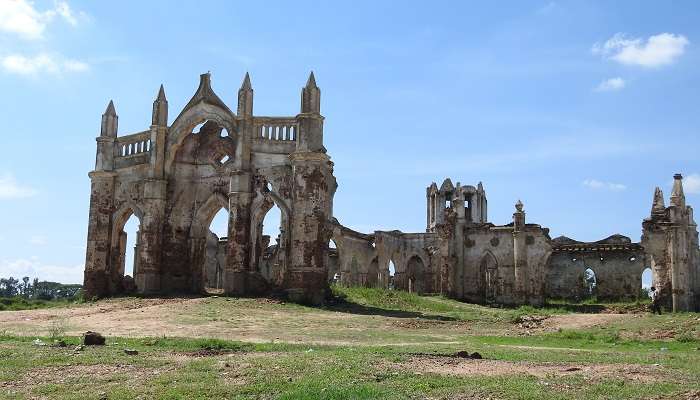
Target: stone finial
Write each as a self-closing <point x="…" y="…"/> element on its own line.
<point x="160" y="109"/>
<point x="205" y="94"/>
<point x="161" y="94"/>
<point x="677" y="195"/>
<point x="658" y="207"/>
<point x="109" y="121"/>
<point x="311" y="82"/>
<point x="111" y="111"/>
<point x="480" y="187"/>
<point x="519" y="206"/>
<point x="245" y="97"/>
<point x="246" y="82"/>
<point x="311" y="96"/>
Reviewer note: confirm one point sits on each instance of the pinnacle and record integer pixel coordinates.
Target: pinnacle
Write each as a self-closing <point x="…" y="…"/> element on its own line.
<point x="311" y="83"/>
<point x="246" y="82"/>
<point x="110" y="109"/>
<point x="161" y="93"/>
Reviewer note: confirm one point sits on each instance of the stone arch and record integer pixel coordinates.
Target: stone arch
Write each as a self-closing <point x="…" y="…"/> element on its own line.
<point x="118" y="247"/>
<point x="189" y="119"/>
<point x="201" y="243"/>
<point x="489" y="276"/>
<point x="261" y="205"/>
<point x="205" y="213"/>
<point x="415" y="275"/>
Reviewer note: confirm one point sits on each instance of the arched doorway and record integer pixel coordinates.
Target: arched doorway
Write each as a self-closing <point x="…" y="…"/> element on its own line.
<point x="374" y="277"/>
<point x="270" y="241"/>
<point x="590" y="282"/>
<point x="415" y="275"/>
<point x="489" y="277"/>
<point x="647" y="282"/>
<point x="334" y="273"/>
<point x="215" y="252"/>
<point x="126" y="251"/>
<point x="391" y="275"/>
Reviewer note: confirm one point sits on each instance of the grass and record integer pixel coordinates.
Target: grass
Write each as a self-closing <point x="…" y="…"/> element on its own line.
<point x="18" y="303"/>
<point x="217" y="368"/>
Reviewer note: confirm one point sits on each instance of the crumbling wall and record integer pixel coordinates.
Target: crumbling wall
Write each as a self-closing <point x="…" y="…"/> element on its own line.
<point x="177" y="177"/>
<point x="616" y="262"/>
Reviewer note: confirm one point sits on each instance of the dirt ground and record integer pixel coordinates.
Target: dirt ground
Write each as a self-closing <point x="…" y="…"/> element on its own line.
<point x="254" y="320"/>
<point x="592" y="372"/>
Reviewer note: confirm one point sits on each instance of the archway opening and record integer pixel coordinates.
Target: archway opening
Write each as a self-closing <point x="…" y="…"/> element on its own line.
<point x="647" y="282"/>
<point x="128" y="247"/>
<point x="334" y="272"/>
<point x="131" y="230"/>
<point x="271" y="244"/>
<point x="215" y="258"/>
<point x="392" y="273"/>
<point x="415" y="275"/>
<point x="590" y="283"/>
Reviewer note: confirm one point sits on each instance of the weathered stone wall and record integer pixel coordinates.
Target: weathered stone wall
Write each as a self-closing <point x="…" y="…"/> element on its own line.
<point x="616" y="262"/>
<point x="176" y="178"/>
<point x="670" y="240"/>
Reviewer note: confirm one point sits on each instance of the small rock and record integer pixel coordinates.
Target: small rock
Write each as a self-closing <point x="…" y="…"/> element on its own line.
<point x="38" y="342"/>
<point x="664" y="349"/>
<point x="462" y="354"/>
<point x="79" y="347"/>
<point x="476" y="356"/>
<point x="572" y="369"/>
<point x="60" y="343"/>
<point x="131" y="352"/>
<point x="93" y="339"/>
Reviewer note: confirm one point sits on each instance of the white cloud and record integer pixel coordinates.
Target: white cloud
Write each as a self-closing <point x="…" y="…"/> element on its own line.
<point x="598" y="185"/>
<point x="34" y="268"/>
<point x="691" y="184"/>
<point x="20" y="17"/>
<point x="10" y="189"/>
<point x="610" y="85"/>
<point x="41" y="63"/>
<point x="656" y="51"/>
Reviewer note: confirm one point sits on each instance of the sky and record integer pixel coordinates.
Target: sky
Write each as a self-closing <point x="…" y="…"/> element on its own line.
<point x="577" y="108"/>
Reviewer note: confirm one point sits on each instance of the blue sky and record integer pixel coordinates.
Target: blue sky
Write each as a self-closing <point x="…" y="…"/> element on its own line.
<point x="577" y="108"/>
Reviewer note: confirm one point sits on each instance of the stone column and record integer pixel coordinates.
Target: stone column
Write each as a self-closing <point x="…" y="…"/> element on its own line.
<point x="520" y="284"/>
<point x="312" y="197"/>
<point x="97" y="277"/>
<point x="151" y="233"/>
<point x="238" y="245"/>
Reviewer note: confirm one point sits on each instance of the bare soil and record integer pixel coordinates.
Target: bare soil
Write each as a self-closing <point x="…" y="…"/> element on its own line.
<point x="469" y="367"/>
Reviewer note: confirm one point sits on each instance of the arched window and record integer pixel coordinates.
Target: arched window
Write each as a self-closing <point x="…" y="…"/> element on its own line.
<point x="589" y="282"/>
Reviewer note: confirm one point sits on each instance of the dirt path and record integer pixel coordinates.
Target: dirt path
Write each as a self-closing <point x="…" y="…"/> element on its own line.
<point x="582" y="321"/>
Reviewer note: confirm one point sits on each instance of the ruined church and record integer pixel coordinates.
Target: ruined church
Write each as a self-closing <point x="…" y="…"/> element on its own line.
<point x="175" y="177"/>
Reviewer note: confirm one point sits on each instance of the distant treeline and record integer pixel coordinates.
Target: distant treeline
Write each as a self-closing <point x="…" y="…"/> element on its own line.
<point x="36" y="290"/>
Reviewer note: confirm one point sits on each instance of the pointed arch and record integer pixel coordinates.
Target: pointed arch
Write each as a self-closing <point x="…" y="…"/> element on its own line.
<point x="193" y="116"/>
<point x="122" y="215"/>
<point x="206" y="212"/>
<point x="489" y="276"/>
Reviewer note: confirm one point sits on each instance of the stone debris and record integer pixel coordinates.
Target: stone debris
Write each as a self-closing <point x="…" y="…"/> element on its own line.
<point x="93" y="339"/>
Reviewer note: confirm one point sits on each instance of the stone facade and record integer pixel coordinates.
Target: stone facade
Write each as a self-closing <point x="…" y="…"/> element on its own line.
<point x="670" y="240"/>
<point x="175" y="178"/>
